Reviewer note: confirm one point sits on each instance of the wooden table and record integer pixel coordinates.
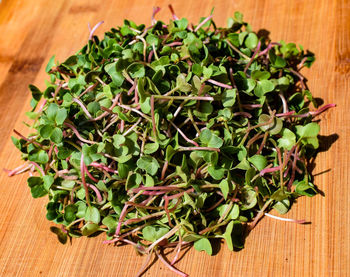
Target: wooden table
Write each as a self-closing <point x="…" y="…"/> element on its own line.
<point x="32" y="31"/>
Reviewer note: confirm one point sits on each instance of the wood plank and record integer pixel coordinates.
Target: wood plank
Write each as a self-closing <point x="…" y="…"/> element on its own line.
<point x="32" y="31"/>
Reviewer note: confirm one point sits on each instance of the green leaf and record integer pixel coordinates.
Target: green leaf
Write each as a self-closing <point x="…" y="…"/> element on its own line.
<point x="56" y="135"/>
<point x="90" y="228"/>
<point x="282" y="206"/>
<point x="203" y="244"/>
<point x="149" y="164"/>
<point x="136" y="70"/>
<point x="52" y="111"/>
<point x="151" y="148"/>
<point x="117" y="77"/>
<point x="227" y="235"/>
<point x="153" y="233"/>
<point x="251" y="41"/>
<point x="288" y="139"/>
<point x="50" y="64"/>
<point x="36" y="93"/>
<point x="225" y="188"/>
<point x="210" y="139"/>
<point x="229" y="97"/>
<point x="92" y="214"/>
<point x="46" y="131"/>
<point x="48" y="181"/>
<point x="259" y="161"/>
<point x="118" y="140"/>
<point x="40" y="157"/>
<point x="61" y="116"/>
<point x="70" y="213"/>
<point x="309" y="130"/>
<point x="216" y="172"/>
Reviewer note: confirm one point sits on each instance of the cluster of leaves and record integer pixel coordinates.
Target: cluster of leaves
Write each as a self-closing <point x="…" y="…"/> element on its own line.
<point x="172" y="134"/>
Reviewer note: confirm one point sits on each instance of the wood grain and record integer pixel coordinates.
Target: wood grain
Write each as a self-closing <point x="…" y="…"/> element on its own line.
<point x="33" y="30"/>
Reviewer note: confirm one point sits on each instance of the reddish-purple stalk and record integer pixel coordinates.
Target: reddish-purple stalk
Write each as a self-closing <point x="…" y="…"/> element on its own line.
<point x="42" y="106"/>
<point x="262" y="143"/>
<point x="153" y="192"/>
<point x="172" y="12"/>
<point x="292" y="177"/>
<point x="215" y="205"/>
<point x="89" y="88"/>
<point x="94" y="29"/>
<point x="166" y="204"/>
<point x="104" y="167"/>
<point x="160" y="256"/>
<point x="219" y="84"/>
<point x="180" y="194"/>
<point x="174" y="43"/>
<point x="165" y="167"/>
<point x="245" y="114"/>
<point x="154" y="12"/>
<point x="26" y="139"/>
<point x="18" y="169"/>
<point x="98" y="194"/>
<point x="121" y="218"/>
<point x="311" y="113"/>
<point x="183" y="135"/>
<point x="198" y="148"/>
<point x="269" y="170"/>
<point x="251" y="106"/>
<point x="257" y="49"/>
<point x="169" y="188"/>
<point x="83" y="108"/>
<point x="85" y="185"/>
<point x="153" y="117"/>
<point x="75" y="131"/>
<point x="203" y="22"/>
<point x="38" y="167"/>
<point x="89" y="174"/>
<point x="177" y="250"/>
<point x="150" y="55"/>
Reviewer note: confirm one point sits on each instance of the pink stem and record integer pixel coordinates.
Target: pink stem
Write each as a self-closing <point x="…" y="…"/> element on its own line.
<point x="77" y="134"/>
<point x="150" y="55"/>
<point x="219" y="84"/>
<point x="245" y="114"/>
<point x="198" y="148"/>
<point x="98" y="194"/>
<point x="89" y="174"/>
<point x="155" y="11"/>
<point x="153" y="117"/>
<point x="121" y="218"/>
<point x="165" y="167"/>
<point x="82" y="107"/>
<point x="203" y="22"/>
<point x="268" y="170"/>
<point x="183" y="135"/>
<point x="170" y="266"/>
<point x="254" y="55"/>
<point x="38" y="167"/>
<point x="26" y="139"/>
<point x="94" y="29"/>
<point x="82" y="170"/>
<point x="180" y="194"/>
<point x="175" y="43"/>
<point x="172" y="12"/>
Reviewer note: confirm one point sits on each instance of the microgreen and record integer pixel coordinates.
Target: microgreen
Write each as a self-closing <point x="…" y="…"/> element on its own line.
<point x="168" y="135"/>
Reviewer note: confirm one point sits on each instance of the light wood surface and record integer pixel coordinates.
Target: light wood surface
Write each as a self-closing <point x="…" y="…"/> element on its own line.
<point x="33" y="30"/>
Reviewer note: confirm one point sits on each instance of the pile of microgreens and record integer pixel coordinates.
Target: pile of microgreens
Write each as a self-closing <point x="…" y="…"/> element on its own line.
<point x="172" y="134"/>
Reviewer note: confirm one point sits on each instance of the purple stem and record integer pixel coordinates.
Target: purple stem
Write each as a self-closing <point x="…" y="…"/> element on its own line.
<point x="170" y="266"/>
